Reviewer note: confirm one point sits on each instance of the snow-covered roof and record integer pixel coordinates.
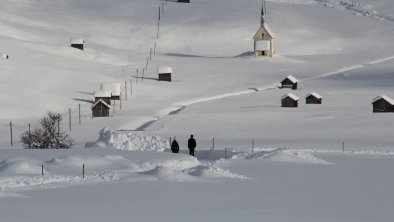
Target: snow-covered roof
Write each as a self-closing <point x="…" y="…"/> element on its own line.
<point x="263" y="45"/>
<point x="77" y="41"/>
<point x="292" y="78"/>
<point x="270" y="32"/>
<point x="291" y="95"/>
<point x="113" y="87"/>
<point x="388" y="99"/>
<point x="102" y="94"/>
<point x="101" y="101"/>
<point x="314" y="94"/>
<point x="165" y="69"/>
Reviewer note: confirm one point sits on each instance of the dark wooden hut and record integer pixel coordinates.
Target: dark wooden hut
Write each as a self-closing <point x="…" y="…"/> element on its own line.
<point x="77" y="43"/>
<point x="290" y="100"/>
<point x="103" y="95"/>
<point x="183" y="1"/>
<point x="313" y="98"/>
<point x="100" y="109"/>
<point x="165" y="73"/>
<point x="383" y="104"/>
<point x="289" y="82"/>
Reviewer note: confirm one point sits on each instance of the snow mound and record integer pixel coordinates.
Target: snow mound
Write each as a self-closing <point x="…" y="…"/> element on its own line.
<point x="95" y="163"/>
<point x="181" y="162"/>
<point x="126" y="140"/>
<point x="21" y="166"/>
<point x="213" y="172"/>
<point x="286" y="155"/>
<point x="165" y="173"/>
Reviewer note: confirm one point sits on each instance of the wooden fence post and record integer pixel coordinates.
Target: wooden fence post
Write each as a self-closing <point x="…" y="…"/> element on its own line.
<point x="11" y="132"/>
<point x="29" y="136"/>
<point x="225" y="153"/>
<point x="252" y="146"/>
<point x="69" y="117"/>
<point x="213" y="143"/>
<point x="83" y="171"/>
<point x="42" y="169"/>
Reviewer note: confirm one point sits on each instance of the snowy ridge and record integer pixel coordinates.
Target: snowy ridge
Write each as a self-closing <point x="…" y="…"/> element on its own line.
<point x="125" y="140"/>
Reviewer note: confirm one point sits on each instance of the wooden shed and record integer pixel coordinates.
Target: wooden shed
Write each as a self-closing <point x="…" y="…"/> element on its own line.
<point x="100" y="109"/>
<point x="77" y="43"/>
<point x="165" y="73"/>
<point x="103" y="95"/>
<point x="290" y="100"/>
<point x="289" y="82"/>
<point x="383" y="104"/>
<point x="313" y="98"/>
<point x="114" y="88"/>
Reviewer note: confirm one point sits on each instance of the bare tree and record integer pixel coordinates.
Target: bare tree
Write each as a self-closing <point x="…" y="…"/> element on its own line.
<point x="48" y="136"/>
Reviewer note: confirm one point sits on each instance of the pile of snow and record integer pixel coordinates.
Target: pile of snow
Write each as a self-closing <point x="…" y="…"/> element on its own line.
<point x="125" y="140"/>
<point x="213" y="172"/>
<point x="21" y="166"/>
<point x="284" y="155"/>
<point x="165" y="173"/>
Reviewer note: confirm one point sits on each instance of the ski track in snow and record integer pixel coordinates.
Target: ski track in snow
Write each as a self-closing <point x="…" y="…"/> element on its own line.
<point x="179" y="106"/>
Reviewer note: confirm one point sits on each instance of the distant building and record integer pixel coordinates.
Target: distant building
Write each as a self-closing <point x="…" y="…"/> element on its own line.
<point x="264" y="39"/>
<point x="184" y="1"/>
<point x="289" y="82"/>
<point x="114" y="88"/>
<point x="77" y="43"/>
<point x="313" y="98"/>
<point x="383" y="104"/>
<point x="165" y="73"/>
<point x="103" y="95"/>
<point x="290" y="100"/>
<point x="100" y="109"/>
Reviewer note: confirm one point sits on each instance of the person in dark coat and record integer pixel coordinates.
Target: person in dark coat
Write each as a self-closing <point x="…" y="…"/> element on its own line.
<point x="191" y="144"/>
<point x="175" y="146"/>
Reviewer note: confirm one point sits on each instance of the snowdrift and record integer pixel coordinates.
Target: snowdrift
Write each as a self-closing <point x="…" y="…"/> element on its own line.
<point x="125" y="140"/>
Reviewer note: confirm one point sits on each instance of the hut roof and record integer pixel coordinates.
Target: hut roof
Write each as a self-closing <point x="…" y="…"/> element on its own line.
<point x="77" y="41"/>
<point x="263" y="45"/>
<point x="114" y="88"/>
<point x="267" y="28"/>
<point x="314" y="94"/>
<point x="101" y="101"/>
<point x="102" y="93"/>
<point x="291" y="95"/>
<point x="388" y="99"/>
<point x="164" y="69"/>
<point x="292" y="78"/>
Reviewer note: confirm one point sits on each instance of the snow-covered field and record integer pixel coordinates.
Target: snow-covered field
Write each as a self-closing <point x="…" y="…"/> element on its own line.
<point x="341" y="49"/>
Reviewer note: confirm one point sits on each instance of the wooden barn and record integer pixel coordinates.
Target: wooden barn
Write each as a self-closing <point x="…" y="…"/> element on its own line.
<point x="103" y="95"/>
<point x="290" y="100"/>
<point x="264" y="39"/>
<point x="100" y="109"/>
<point x="313" y="98"/>
<point x="165" y="73"/>
<point x="77" y="43"/>
<point x="114" y="88"/>
<point x="289" y="82"/>
<point x="383" y="104"/>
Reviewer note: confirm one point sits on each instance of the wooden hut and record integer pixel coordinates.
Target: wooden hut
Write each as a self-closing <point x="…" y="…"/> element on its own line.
<point x="114" y="88"/>
<point x="165" y="73"/>
<point x="290" y="100"/>
<point x="264" y="39"/>
<point x="289" y="82"/>
<point x="313" y="98"/>
<point x="383" y="104"/>
<point x="183" y="1"/>
<point x="100" y="109"/>
<point x="77" y="43"/>
<point x="103" y="95"/>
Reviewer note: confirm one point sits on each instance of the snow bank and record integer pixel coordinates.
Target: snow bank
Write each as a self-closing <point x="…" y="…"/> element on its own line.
<point x="20" y="166"/>
<point x="165" y="173"/>
<point x="213" y="172"/>
<point x="125" y="140"/>
<point x="284" y="155"/>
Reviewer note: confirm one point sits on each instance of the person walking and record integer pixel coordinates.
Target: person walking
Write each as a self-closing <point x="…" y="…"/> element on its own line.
<point x="175" y="146"/>
<point x="191" y="144"/>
